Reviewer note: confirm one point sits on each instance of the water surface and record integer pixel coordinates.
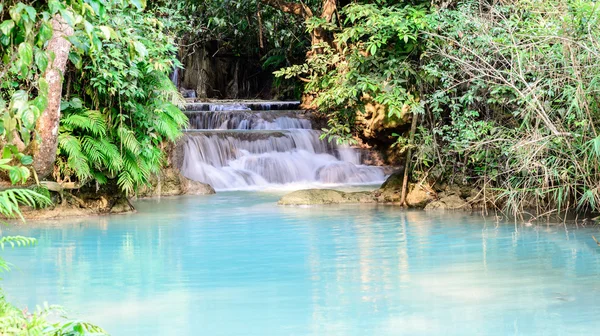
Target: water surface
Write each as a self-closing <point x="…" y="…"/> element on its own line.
<point x="237" y="264"/>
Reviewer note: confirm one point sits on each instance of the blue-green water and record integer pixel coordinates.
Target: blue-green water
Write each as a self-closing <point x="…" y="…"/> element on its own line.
<point x="237" y="264"/>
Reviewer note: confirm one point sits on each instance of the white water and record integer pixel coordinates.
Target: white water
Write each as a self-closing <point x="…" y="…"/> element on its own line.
<point x="285" y="153"/>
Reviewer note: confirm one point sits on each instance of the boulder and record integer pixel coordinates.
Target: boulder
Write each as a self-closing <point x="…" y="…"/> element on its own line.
<point x="121" y="205"/>
<point x="394" y="181"/>
<point x="170" y="182"/>
<point x="390" y="190"/>
<point x="452" y="202"/>
<point x="420" y="195"/>
<point x="313" y="196"/>
<point x="191" y="187"/>
<point x="325" y="196"/>
<point x="360" y="197"/>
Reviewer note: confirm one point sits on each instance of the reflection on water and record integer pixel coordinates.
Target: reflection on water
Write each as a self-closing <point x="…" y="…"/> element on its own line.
<point x="237" y="264"/>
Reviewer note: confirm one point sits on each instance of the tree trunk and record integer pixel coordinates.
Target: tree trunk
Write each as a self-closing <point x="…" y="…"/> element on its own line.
<point x="47" y="125"/>
<point x="319" y="35"/>
<point x="411" y="139"/>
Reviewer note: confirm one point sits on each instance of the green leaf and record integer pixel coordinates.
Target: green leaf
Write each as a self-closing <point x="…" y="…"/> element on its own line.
<point x="25" y="135"/>
<point x="107" y="31"/>
<point x="41" y="60"/>
<point x="42" y="86"/>
<point x="67" y="16"/>
<point x="31" y="12"/>
<point x="26" y="53"/>
<point x="7" y="26"/>
<point x="139" y="4"/>
<point x="19" y="100"/>
<point x="15" y="175"/>
<point x="45" y="33"/>
<point x="25" y="173"/>
<point x="96" y="6"/>
<point x="15" y="13"/>
<point x="55" y="6"/>
<point x="89" y="28"/>
<point x="76" y="103"/>
<point x="76" y="59"/>
<point x="140" y="49"/>
<point x="26" y="160"/>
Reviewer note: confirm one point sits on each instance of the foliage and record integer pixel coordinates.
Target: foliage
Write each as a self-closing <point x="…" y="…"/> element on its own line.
<point x="122" y="105"/>
<point x="25" y="30"/>
<point x="519" y="85"/>
<point x="508" y="93"/>
<point x="119" y="106"/>
<point x="238" y="26"/>
<point x="373" y="60"/>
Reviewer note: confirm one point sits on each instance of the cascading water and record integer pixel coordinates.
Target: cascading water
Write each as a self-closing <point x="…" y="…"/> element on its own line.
<point x="231" y="146"/>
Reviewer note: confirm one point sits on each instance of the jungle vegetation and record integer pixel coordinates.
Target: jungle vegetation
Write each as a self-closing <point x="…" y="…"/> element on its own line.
<point x="501" y="95"/>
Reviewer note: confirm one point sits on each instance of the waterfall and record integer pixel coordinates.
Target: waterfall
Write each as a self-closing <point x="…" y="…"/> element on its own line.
<point x="260" y="145"/>
<point x="175" y="77"/>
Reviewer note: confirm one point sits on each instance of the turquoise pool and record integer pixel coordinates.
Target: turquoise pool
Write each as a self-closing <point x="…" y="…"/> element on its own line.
<point x="237" y="264"/>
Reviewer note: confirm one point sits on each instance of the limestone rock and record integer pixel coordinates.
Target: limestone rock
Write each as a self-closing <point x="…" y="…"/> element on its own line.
<point x="313" y="196"/>
<point x="325" y="196"/>
<point x="451" y="202"/>
<point x="360" y="197"/>
<point x="419" y="196"/>
<point x="172" y="183"/>
<point x="390" y="190"/>
<point x="191" y="187"/>
<point x="121" y="205"/>
<point x="394" y="181"/>
<point x="460" y="190"/>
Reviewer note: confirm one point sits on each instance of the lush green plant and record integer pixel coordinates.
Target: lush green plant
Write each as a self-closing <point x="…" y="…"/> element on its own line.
<point x="373" y="60"/>
<point x="122" y="106"/>
<point x="508" y="93"/>
<point x="517" y="90"/>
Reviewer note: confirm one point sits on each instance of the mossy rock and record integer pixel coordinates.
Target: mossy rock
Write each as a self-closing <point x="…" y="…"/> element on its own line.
<point x="313" y="196"/>
<point x="420" y="195"/>
<point x="325" y="196"/>
<point x="452" y="202"/>
<point x="394" y="181"/>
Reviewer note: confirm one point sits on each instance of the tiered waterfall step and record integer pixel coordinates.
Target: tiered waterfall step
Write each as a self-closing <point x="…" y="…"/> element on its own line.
<point x="245" y="144"/>
<point x="254" y="105"/>
<point x="249" y="120"/>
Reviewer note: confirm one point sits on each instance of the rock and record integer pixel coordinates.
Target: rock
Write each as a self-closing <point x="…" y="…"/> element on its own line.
<point x="420" y="195"/>
<point x="325" y="196"/>
<point x="191" y="187"/>
<point x="121" y="205"/>
<point x="451" y="202"/>
<point x="394" y="181"/>
<point x="462" y="190"/>
<point x="360" y="197"/>
<point x="390" y="190"/>
<point x="313" y="196"/>
<point x="172" y="183"/>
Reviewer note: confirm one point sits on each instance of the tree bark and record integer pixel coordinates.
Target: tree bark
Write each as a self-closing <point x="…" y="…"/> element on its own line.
<point x="319" y="35"/>
<point x="47" y="125"/>
<point x="411" y="139"/>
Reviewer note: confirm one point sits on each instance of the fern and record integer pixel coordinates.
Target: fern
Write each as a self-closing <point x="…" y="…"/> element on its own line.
<point x="91" y="121"/>
<point x="11" y="199"/>
<point x="128" y="140"/>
